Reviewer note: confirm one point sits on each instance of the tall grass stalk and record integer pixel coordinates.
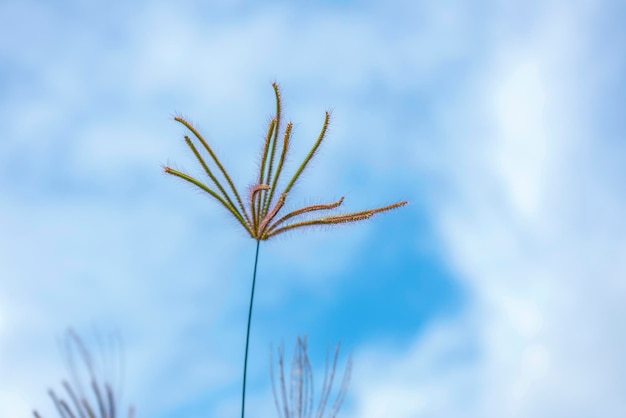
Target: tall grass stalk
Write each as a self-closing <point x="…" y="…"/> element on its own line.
<point x="261" y="214"/>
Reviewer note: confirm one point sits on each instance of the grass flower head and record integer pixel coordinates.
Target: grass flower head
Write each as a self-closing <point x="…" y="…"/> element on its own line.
<point x="262" y="213"/>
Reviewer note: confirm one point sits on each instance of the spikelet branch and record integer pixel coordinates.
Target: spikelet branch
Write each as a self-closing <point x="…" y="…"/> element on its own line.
<point x="272" y="214"/>
<point x="205" y="188"/>
<point x="281" y="162"/>
<point x="212" y="177"/>
<point x="266" y="147"/>
<point x="303" y="211"/>
<point x="274" y="140"/>
<point x="212" y="154"/>
<point x="390" y="207"/>
<point x="311" y="153"/>
<point x="368" y="213"/>
<point x="331" y="220"/>
<point x="253" y="198"/>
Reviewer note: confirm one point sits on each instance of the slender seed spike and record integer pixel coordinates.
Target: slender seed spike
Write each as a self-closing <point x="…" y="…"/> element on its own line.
<point x="271" y="215"/>
<point x="371" y="212"/>
<point x="305" y="210"/>
<point x="311" y="153"/>
<point x="368" y="213"/>
<point x="217" y="161"/>
<point x="270" y="167"/>
<point x="274" y="140"/>
<point x="202" y="186"/>
<point x="322" y="221"/>
<point x="266" y="147"/>
<point x="255" y="217"/>
<point x="390" y="207"/>
<point x="281" y="162"/>
<point x="279" y="113"/>
<point x="225" y="195"/>
<point x="339" y="219"/>
<point x="256" y="189"/>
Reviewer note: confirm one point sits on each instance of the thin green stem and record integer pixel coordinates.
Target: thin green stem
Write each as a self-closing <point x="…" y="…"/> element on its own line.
<point x="245" y="361"/>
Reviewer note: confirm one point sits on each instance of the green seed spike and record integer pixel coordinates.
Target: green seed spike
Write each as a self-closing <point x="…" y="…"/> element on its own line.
<point x="256" y="189"/>
<point x="321" y="221"/>
<point x="212" y="177"/>
<point x="266" y="147"/>
<point x="311" y="153"/>
<point x="281" y="162"/>
<point x="217" y="161"/>
<point x="189" y="179"/>
<point x="266" y="201"/>
<point x="305" y="210"/>
<point x="272" y="214"/>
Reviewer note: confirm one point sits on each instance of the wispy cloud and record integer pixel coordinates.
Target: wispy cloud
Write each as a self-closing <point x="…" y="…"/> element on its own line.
<point x="524" y="221"/>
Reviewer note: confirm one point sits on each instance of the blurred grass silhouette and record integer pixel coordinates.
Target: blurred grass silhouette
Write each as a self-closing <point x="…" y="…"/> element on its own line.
<point x="101" y="399"/>
<point x="298" y="400"/>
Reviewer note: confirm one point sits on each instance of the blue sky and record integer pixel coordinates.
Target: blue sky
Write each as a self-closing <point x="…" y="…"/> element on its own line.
<point x="499" y="292"/>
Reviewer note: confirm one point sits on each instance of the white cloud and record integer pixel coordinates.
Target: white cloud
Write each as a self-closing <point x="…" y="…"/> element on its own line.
<point x="523" y="220"/>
